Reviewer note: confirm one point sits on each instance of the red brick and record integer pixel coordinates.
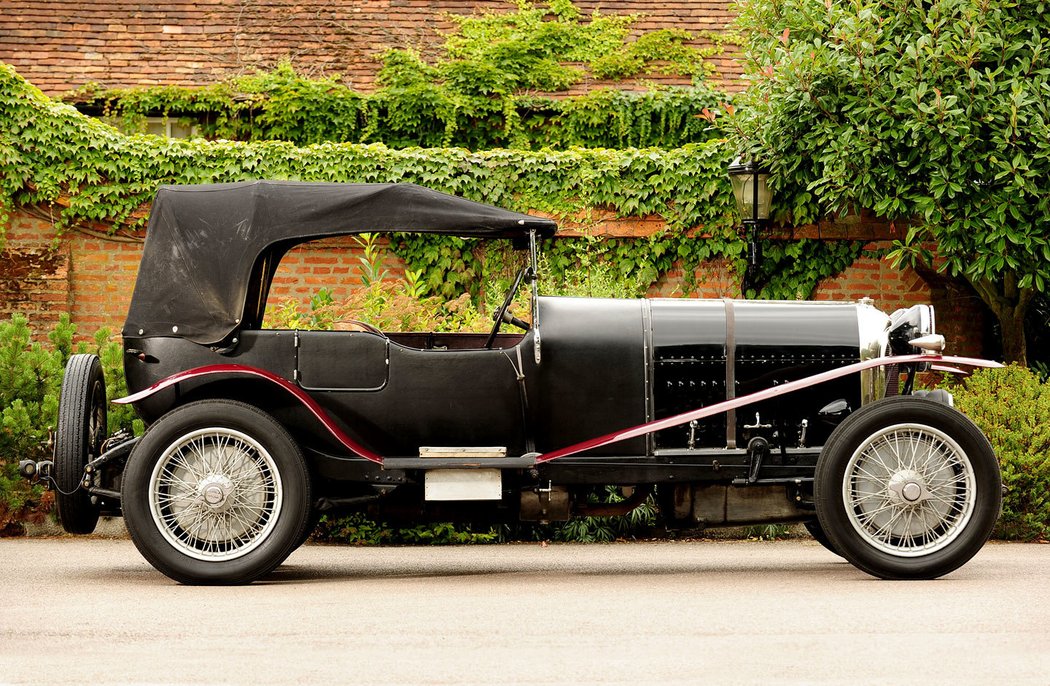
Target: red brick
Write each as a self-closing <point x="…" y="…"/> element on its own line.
<point x="97" y="290"/>
<point x="187" y="42"/>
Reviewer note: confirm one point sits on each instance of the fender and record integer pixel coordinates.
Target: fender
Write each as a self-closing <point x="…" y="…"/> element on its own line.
<point x="631" y="432"/>
<point x="244" y="370"/>
<point x="725" y="406"/>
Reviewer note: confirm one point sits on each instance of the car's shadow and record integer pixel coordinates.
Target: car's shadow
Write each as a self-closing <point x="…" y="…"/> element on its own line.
<point x="840" y="570"/>
<point x="362" y="564"/>
<point x="554" y="562"/>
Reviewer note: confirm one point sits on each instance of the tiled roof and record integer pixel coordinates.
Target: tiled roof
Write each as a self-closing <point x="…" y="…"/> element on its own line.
<point x="59" y="45"/>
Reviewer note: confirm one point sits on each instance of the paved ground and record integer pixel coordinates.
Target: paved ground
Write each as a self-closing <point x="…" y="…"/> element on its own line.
<point x="79" y="611"/>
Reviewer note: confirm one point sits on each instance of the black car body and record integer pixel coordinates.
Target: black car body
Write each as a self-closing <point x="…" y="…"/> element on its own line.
<point x="724" y="411"/>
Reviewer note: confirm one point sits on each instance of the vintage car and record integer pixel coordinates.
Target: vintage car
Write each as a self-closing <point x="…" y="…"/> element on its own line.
<point x="724" y="411"/>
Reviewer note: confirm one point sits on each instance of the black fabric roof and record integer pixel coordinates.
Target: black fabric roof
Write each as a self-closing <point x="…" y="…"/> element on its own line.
<point x="204" y="243"/>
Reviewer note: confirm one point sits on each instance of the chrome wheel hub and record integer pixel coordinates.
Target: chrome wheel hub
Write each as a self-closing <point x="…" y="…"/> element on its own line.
<point x="215" y="490"/>
<point x="906" y="487"/>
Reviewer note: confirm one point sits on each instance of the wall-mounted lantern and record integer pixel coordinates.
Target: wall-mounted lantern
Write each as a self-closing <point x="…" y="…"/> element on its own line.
<point x="751" y="190"/>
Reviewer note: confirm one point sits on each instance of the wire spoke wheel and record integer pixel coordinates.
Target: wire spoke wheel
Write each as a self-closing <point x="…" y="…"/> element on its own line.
<point x="215" y="494"/>
<point x="909" y="490"/>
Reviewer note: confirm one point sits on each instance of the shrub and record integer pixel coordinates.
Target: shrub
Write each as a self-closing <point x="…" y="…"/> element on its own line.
<point x="30" y="382"/>
<point x="1011" y="406"/>
<point x="30" y="377"/>
<point x="359" y="529"/>
<point x="608" y="529"/>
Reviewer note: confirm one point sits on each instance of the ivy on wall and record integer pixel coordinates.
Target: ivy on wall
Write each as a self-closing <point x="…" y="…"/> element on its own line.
<point x="52" y="154"/>
<point x="481" y="93"/>
<point x="283" y="105"/>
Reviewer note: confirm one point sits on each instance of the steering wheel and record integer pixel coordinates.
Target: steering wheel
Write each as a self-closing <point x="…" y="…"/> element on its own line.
<point x="362" y="326"/>
<point x="502" y="311"/>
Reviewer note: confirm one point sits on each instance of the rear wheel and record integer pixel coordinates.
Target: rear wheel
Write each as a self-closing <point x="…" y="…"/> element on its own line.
<point x="79" y="435"/>
<point x="907" y="488"/>
<point x="216" y="492"/>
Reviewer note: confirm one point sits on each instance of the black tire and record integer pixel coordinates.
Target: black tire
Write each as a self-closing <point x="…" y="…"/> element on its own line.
<point x="907" y="488"/>
<point x="312" y="520"/>
<point x="817" y="532"/>
<point x="216" y="492"/>
<point x="78" y="440"/>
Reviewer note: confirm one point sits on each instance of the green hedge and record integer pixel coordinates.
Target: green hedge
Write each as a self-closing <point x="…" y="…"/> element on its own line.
<point x="480" y="92"/>
<point x="282" y="105"/>
<point x="1011" y="406"/>
<point x="30" y="379"/>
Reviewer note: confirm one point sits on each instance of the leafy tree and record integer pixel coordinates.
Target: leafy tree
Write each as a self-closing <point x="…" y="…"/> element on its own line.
<point x="934" y="112"/>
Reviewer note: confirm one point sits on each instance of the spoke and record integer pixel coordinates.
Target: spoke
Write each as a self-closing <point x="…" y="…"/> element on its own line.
<point x="860" y="498"/>
<point x="181" y="460"/>
<point x="876" y="450"/>
<point x="888" y="526"/>
<point x="917" y="444"/>
<point x="167" y="499"/>
<point x="247" y="524"/>
<point x="867" y="519"/>
<point x="952" y="508"/>
<point x="947" y="496"/>
<point x="171" y="480"/>
<point x="936" y="449"/>
<point x="955" y="480"/>
<point x="259" y="489"/>
<point x="898" y="448"/>
<point x="879" y="478"/>
<point x="930" y="519"/>
<point x="222" y="448"/>
<point x="909" y="526"/>
<point x="926" y="535"/>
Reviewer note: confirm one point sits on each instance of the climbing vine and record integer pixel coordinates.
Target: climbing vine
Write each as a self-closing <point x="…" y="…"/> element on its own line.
<point x="282" y="105"/>
<point x="480" y="93"/>
<point x="87" y="172"/>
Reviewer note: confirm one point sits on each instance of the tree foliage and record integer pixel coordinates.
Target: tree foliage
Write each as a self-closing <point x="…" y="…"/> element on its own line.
<point x="933" y="112"/>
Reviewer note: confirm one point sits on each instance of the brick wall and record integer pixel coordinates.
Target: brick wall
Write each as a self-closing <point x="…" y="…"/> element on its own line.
<point x="332" y="263"/>
<point x="89" y="278"/>
<point x="62" y="46"/>
<point x="93" y="279"/>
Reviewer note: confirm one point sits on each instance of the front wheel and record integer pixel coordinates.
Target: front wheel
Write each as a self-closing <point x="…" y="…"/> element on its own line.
<point x="216" y="492"/>
<point x="907" y="488"/>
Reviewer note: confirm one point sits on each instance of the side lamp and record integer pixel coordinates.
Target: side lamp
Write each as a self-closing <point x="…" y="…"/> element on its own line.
<point x="753" y="199"/>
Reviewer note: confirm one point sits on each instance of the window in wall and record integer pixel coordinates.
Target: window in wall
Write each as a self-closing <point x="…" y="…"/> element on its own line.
<point x="169" y="128"/>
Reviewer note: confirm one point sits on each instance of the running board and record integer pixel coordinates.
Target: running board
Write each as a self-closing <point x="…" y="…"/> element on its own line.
<point x="523" y="462"/>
